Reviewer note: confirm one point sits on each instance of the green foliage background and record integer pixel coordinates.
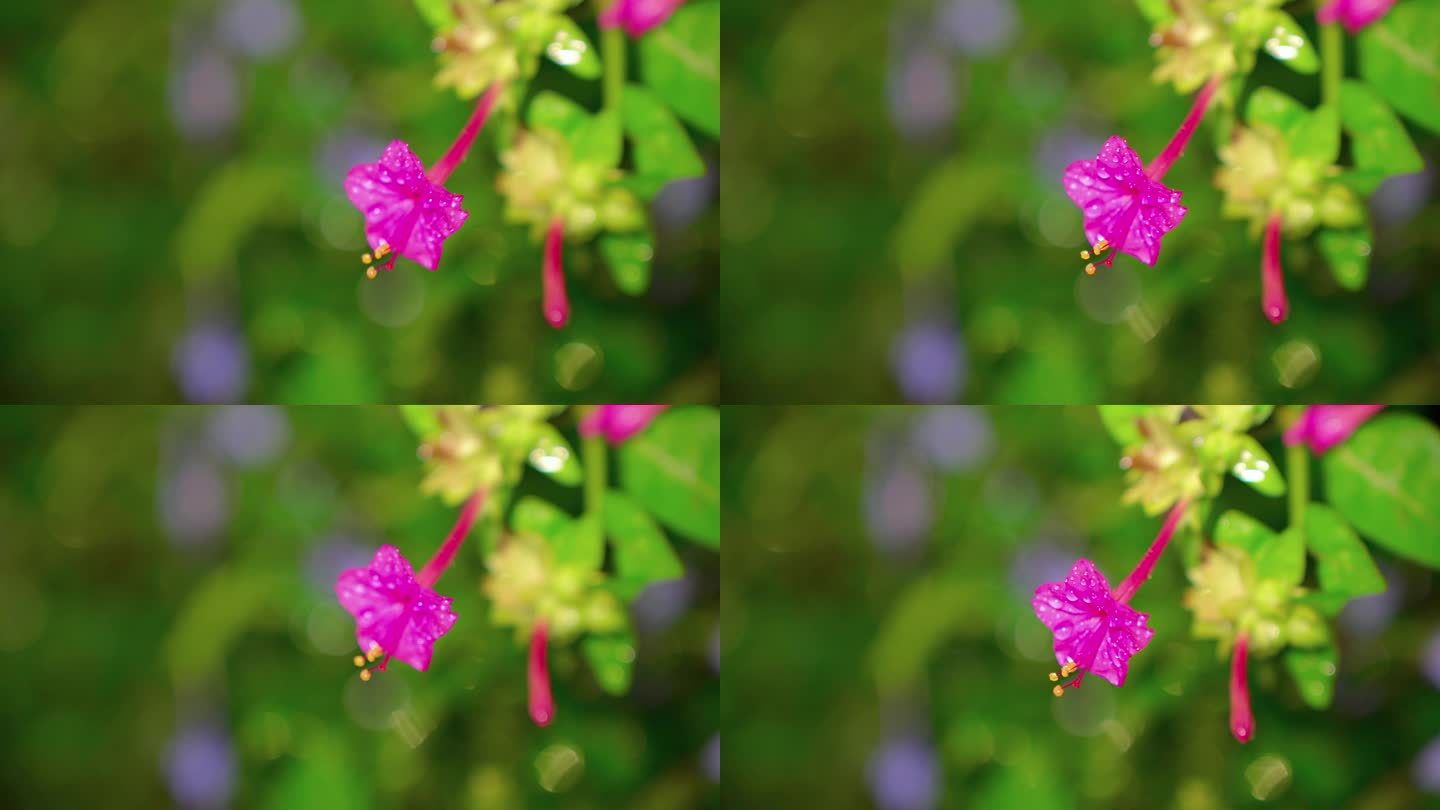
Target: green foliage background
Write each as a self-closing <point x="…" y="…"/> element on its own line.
<point x="114" y="635"/>
<point x="118" y="234"/>
<point x="833" y="645"/>
<point x="837" y="232"/>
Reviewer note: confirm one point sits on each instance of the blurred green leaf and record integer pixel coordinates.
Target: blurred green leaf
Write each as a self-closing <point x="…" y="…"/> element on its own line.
<point x="1314" y="674"/>
<point x="550" y="110"/>
<point x="1317" y="137"/>
<point x="642" y="554"/>
<point x="1385" y="479"/>
<point x="1347" y="251"/>
<point x="1400" y="58"/>
<point x="580" y="544"/>
<point x="612" y="659"/>
<point x="599" y="141"/>
<point x="662" y="149"/>
<point x="680" y="61"/>
<point x="571" y="49"/>
<point x="535" y="516"/>
<point x="1282" y="559"/>
<point x="628" y="256"/>
<point x="1379" y="141"/>
<point x="1287" y="43"/>
<point x="1255" y="467"/>
<point x="1270" y="106"/>
<point x="1344" y="562"/>
<point x="1241" y="531"/>
<point x="438" y="13"/>
<point x="673" y="470"/>
<point x="421" y="419"/>
<point x="553" y="456"/>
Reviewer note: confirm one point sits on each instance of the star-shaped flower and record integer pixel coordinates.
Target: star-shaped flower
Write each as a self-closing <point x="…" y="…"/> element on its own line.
<point x="1124" y="208"/>
<point x="405" y="212"/>
<point x="1355" y="14"/>
<point x="395" y="616"/>
<point x="638" y="16"/>
<point x="1324" y="426"/>
<point x="619" y="422"/>
<point x="1094" y="631"/>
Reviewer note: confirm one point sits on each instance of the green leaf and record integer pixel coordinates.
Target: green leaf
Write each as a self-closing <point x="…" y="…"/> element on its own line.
<point x="421" y="419"/>
<point x="1386" y="481"/>
<point x="1282" y="559"/>
<point x="612" y="659"/>
<point x="1270" y="106"/>
<point x="1285" y="40"/>
<point x="580" y="544"/>
<point x="642" y="554"/>
<point x="553" y="456"/>
<point x="1379" y="141"/>
<point x="1344" y="562"/>
<point x="571" y="49"/>
<point x="1314" y="674"/>
<point x="1255" y="467"/>
<point x="1400" y="58"/>
<point x="599" y="141"/>
<point x="673" y="470"/>
<point x="663" y="151"/>
<point x="1155" y="11"/>
<point x="628" y="256"/>
<point x="550" y="110"/>
<point x="1348" y="253"/>
<point x="1317" y="137"/>
<point x="1239" y="530"/>
<point x="1120" y="421"/>
<point x="437" y="13"/>
<point x="534" y="516"/>
<point x="680" y="61"/>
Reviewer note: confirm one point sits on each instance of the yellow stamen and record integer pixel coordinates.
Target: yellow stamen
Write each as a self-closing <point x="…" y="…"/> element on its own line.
<point x="1090" y="269"/>
<point x="1069" y="668"/>
<point x="360" y="662"/>
<point x="1102" y="246"/>
<point x="374" y="652"/>
<point x="370" y="272"/>
<point x="382" y="251"/>
<point x="1058" y="691"/>
<point x="1054" y="677"/>
<point x="365" y="675"/>
<point x="367" y="258"/>
<point x="1084" y="254"/>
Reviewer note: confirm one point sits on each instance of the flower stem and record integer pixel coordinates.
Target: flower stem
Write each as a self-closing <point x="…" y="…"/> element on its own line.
<point x="430" y="574"/>
<point x="440" y="172"/>
<point x="1242" y="722"/>
<point x="537" y="674"/>
<point x="1272" y="279"/>
<point x="612" y="53"/>
<point x="1131" y="584"/>
<point x="1176" y="147"/>
<point x="1297" y="466"/>
<point x="1332" y="57"/>
<point x="555" y="303"/>
<point x="592" y="449"/>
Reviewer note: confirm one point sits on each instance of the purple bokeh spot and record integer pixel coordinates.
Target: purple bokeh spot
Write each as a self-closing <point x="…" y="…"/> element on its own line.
<point x="710" y="759"/>
<point x="1039" y="563"/>
<point x="898" y="507"/>
<point x="681" y="202"/>
<point x="923" y="97"/>
<point x="954" y="437"/>
<point x="1427" y="767"/>
<point x="200" y="767"/>
<point x="661" y="603"/>
<point x="929" y="362"/>
<point x="259" y="29"/>
<point x="193" y="504"/>
<point x="211" y="364"/>
<point x="1430" y="660"/>
<point x="249" y="434"/>
<point x="904" y="774"/>
<point x="342" y="150"/>
<point x="1370" y="615"/>
<point x="1398" y="199"/>
<point x="715" y="648"/>
<point x="977" y="28"/>
<point x="204" y="94"/>
<point x="1061" y="147"/>
<point x="331" y="556"/>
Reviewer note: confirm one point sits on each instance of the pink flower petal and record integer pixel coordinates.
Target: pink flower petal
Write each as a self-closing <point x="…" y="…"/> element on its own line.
<point x="618" y="423"/>
<point x="1121" y="203"/>
<point x="392" y="610"/>
<point x="1091" y="627"/>
<point x="1355" y="14"/>
<point x="402" y="208"/>
<point x="638" y="16"/>
<point x="1324" y="426"/>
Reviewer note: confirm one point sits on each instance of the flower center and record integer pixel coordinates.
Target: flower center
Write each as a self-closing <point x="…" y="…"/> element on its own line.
<point x="1095" y="252"/>
<point x="369" y="657"/>
<point x="380" y="253"/>
<point x="1070" y="668"/>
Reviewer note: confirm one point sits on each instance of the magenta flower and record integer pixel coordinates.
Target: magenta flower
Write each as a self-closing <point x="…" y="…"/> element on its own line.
<point x="1242" y="721"/>
<point x="1324" y="426"/>
<point x="554" y="302"/>
<point x="1096" y="630"/>
<point x="619" y="422"/>
<point x="541" y="702"/>
<point x="1273" y="301"/>
<point x="397" y="615"/>
<point x="638" y="16"/>
<point x="1355" y="14"/>
<point x="1125" y="205"/>
<point x="408" y="212"/>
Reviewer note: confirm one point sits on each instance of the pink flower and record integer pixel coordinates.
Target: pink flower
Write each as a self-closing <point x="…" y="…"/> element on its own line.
<point x="1242" y="722"/>
<point x="395" y="616"/>
<point x="1273" y="300"/>
<point x="1324" y="426"/>
<point x="1123" y="207"/>
<point x="541" y="702"/>
<point x="1355" y="14"/>
<point x="638" y="16"/>
<point x="554" y="301"/>
<point x="1094" y="631"/>
<point x="619" y="422"/>
<point x="407" y="210"/>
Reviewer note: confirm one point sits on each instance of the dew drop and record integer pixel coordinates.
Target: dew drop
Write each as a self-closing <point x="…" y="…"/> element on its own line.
<point x="1063" y="631"/>
<point x="1054" y="603"/>
<point x="1103" y="172"/>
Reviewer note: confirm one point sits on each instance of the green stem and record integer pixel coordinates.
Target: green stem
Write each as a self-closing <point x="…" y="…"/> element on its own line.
<point x="612" y="53"/>
<point x="1332" y="58"/>
<point x="592" y="451"/>
<point x="1297" y="466"/>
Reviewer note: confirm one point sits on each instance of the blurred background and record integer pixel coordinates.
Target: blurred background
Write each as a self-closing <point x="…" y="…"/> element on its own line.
<point x="883" y="653"/>
<point x="173" y="637"/>
<point x="893" y="195"/>
<point x="172" y="217"/>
